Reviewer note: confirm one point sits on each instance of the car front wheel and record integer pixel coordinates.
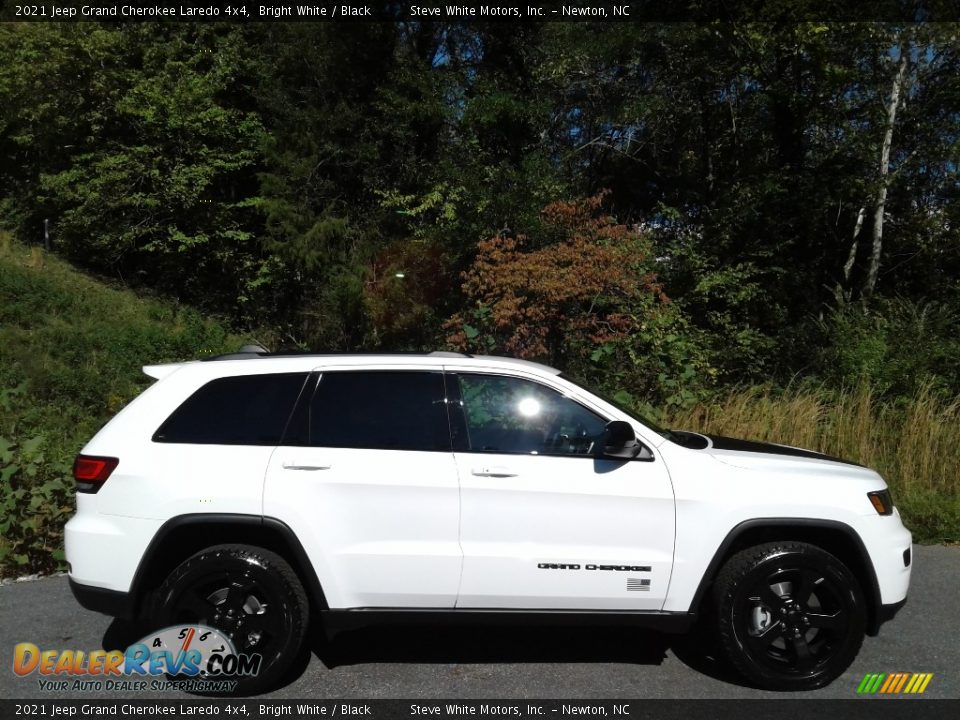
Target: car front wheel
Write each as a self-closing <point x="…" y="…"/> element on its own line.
<point x="791" y="616"/>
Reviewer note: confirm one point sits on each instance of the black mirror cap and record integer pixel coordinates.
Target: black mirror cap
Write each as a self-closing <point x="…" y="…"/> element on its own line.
<point x="619" y="441"/>
<point x="618" y="432"/>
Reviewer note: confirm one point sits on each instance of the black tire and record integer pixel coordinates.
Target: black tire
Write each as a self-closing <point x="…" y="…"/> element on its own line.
<point x="790" y="616"/>
<point x="250" y="594"/>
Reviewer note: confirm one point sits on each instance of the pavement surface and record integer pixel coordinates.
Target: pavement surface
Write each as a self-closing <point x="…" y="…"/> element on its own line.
<point x="514" y="662"/>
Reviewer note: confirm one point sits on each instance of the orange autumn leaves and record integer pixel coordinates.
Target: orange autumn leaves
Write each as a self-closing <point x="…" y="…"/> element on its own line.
<point x="591" y="284"/>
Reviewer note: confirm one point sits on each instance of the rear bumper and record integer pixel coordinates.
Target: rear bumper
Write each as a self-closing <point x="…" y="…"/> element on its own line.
<point x="103" y="551"/>
<point x="102" y="600"/>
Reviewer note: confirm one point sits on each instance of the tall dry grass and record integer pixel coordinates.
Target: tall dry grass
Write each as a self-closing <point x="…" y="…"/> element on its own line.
<point x="913" y="442"/>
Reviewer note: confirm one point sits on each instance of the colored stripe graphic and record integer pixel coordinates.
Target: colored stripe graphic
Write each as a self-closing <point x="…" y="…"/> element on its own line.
<point x="903" y="681"/>
<point x="920" y="683"/>
<point x="894" y="683"/>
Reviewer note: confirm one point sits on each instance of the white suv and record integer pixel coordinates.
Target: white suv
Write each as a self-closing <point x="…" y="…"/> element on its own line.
<point x="255" y="492"/>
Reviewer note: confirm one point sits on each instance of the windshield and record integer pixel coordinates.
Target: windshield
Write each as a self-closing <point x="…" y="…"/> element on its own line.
<point x="622" y="408"/>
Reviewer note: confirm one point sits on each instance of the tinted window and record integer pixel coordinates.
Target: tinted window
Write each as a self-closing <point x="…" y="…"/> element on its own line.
<point x="628" y="411"/>
<point x="245" y="410"/>
<point x="510" y="415"/>
<point x="380" y="410"/>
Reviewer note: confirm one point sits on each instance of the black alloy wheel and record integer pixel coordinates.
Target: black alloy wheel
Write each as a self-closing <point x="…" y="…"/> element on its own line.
<point x="251" y="595"/>
<point x="790" y="615"/>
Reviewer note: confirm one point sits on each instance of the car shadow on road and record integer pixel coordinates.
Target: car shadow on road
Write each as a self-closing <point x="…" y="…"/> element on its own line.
<point x="121" y="634"/>
<point x="702" y="655"/>
<point x="413" y="644"/>
<point x="484" y="644"/>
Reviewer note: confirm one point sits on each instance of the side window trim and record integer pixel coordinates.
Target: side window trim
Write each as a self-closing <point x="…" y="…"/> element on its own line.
<point x="298" y="424"/>
<point x="456" y="417"/>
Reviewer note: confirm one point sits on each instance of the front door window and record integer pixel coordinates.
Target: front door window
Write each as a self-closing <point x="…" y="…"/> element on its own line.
<point x="511" y="415"/>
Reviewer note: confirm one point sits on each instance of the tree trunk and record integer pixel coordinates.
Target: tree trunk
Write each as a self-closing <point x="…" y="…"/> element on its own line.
<point x="877" y="245"/>
<point x="851" y="258"/>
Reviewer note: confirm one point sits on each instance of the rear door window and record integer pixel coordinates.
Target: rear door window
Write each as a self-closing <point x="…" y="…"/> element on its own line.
<point x="380" y="410"/>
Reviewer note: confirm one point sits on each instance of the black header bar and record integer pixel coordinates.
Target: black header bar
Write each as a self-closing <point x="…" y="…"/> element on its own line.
<point x="492" y="709"/>
<point x="240" y="11"/>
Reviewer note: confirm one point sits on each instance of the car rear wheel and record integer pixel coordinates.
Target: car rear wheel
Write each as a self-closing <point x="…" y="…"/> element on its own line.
<point x="251" y="595"/>
<point x="790" y="615"/>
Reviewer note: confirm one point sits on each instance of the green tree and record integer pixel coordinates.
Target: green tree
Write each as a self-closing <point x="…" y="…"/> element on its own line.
<point x="149" y="170"/>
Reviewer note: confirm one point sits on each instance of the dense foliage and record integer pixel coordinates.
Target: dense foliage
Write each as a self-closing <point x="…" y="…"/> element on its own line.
<point x="789" y="187"/>
<point x="667" y="210"/>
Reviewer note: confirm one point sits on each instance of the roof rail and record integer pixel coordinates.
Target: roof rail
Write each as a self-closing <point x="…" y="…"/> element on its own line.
<point x="246" y="352"/>
<point x="250" y="352"/>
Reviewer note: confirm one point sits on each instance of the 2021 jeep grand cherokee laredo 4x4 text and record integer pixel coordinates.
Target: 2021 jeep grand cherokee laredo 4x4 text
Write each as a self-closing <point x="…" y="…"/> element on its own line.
<point x="254" y="492"/>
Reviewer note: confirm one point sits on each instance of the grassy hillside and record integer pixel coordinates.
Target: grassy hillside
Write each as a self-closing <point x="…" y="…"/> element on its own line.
<point x="71" y="349"/>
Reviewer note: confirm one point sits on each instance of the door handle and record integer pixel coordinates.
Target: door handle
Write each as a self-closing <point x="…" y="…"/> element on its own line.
<point x="495" y="471"/>
<point x="294" y="466"/>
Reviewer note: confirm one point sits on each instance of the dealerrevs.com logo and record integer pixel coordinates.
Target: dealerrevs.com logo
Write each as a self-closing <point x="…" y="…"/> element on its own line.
<point x="898" y="683"/>
<point x="185" y="657"/>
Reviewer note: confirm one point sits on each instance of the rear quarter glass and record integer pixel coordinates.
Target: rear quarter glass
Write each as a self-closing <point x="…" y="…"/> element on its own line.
<point x="241" y="410"/>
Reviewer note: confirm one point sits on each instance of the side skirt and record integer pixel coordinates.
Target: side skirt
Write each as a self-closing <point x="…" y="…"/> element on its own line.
<point x="336" y="621"/>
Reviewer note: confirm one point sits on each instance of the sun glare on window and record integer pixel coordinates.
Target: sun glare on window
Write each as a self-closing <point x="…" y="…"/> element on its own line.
<point x="528" y="407"/>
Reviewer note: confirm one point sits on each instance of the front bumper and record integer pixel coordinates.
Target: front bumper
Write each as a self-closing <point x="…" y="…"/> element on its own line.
<point x="890" y="547"/>
<point x="884" y="613"/>
<point x="888" y="544"/>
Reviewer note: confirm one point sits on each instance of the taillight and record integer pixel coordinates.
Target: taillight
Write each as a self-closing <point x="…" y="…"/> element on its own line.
<point x="90" y="472"/>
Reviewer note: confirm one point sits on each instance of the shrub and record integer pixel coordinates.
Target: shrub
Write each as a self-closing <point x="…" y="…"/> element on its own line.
<point x="584" y="297"/>
<point x="898" y="346"/>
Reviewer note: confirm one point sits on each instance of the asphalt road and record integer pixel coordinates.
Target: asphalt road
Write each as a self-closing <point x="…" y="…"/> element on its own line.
<point x="518" y="662"/>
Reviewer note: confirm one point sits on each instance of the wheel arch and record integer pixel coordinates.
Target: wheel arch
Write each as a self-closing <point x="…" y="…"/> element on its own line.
<point x="837" y="538"/>
<point x="182" y="536"/>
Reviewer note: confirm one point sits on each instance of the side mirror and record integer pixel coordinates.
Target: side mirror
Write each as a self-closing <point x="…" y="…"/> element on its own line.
<point x="619" y="441"/>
